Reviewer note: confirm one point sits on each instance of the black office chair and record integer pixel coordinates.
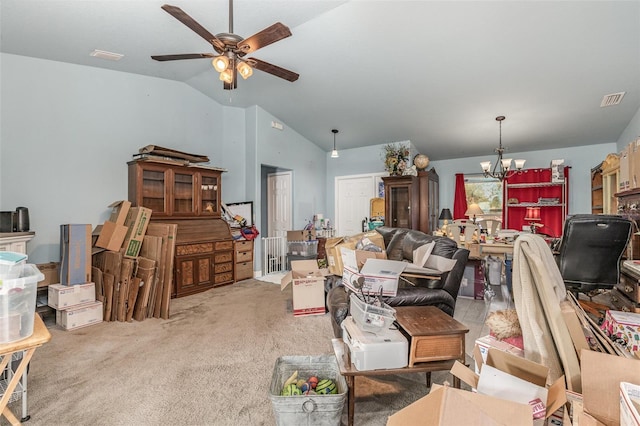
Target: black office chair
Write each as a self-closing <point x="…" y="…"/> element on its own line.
<point x="590" y="251"/>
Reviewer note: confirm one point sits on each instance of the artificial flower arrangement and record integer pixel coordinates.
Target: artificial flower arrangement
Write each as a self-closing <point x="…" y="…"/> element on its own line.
<point x="396" y="158"/>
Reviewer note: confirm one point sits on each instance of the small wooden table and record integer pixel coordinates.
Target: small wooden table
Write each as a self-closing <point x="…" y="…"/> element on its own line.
<point x="427" y="327"/>
<point x="29" y="345"/>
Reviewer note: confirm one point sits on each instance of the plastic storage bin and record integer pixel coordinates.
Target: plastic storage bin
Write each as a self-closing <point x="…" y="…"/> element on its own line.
<point x="307" y="410"/>
<point x="303" y="248"/>
<point x="18" y="304"/>
<point x="369" y="317"/>
<point x="11" y="264"/>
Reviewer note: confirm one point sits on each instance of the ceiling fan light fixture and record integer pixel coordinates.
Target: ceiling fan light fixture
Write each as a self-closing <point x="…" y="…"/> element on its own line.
<point x="220" y="63"/>
<point x="227" y="76"/>
<point x="244" y="69"/>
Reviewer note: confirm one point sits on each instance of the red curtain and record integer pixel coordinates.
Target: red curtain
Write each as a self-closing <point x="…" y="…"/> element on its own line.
<point x="460" y="198"/>
<point x="550" y="216"/>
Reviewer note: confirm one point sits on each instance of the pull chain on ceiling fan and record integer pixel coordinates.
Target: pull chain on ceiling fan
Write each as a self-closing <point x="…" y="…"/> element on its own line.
<point x="231" y="49"/>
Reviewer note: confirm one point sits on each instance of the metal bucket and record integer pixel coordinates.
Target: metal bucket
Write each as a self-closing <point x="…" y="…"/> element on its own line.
<point x="309" y="410"/>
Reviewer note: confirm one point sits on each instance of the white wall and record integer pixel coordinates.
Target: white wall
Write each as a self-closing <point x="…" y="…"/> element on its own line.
<point x="68" y="132"/>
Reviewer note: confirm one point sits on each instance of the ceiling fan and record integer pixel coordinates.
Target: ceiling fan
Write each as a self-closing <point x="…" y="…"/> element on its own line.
<point x="231" y="49"/>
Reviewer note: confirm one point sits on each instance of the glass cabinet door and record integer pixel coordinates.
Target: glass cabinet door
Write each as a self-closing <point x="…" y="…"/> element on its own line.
<point x="183" y="193"/>
<point x="400" y="200"/>
<point x="154" y="190"/>
<point x="209" y="195"/>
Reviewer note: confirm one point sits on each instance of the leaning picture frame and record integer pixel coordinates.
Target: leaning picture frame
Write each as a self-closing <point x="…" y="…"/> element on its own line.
<point x="244" y="209"/>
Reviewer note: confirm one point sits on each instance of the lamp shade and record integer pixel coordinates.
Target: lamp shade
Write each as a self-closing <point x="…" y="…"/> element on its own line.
<point x="532" y="214"/>
<point x="473" y="210"/>
<point x="445" y="214"/>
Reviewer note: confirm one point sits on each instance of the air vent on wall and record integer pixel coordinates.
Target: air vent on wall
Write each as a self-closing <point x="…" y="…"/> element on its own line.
<point x="612" y="99"/>
<point x="103" y="54"/>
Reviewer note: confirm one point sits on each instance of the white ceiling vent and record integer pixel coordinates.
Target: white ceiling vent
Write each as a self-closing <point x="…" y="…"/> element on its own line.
<point x="612" y="99"/>
<point x="103" y="54"/>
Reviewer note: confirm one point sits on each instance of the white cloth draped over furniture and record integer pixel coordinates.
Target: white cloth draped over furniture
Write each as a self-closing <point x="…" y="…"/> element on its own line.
<point x="538" y="290"/>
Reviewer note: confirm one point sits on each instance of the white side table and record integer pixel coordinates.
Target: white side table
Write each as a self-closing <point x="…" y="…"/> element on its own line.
<point x="15" y="241"/>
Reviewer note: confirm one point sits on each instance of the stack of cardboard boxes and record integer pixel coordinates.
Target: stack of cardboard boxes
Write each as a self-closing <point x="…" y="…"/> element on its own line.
<point x="74" y="298"/>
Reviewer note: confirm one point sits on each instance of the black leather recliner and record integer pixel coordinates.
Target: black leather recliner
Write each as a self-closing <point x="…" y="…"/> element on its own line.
<point x="400" y="244"/>
<point x="591" y="249"/>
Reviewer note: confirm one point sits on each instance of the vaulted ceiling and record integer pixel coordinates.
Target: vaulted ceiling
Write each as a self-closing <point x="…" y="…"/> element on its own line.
<point x="436" y="73"/>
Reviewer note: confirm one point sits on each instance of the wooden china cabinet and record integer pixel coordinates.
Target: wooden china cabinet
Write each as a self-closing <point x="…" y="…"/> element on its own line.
<point x="190" y="197"/>
<point x="412" y="201"/>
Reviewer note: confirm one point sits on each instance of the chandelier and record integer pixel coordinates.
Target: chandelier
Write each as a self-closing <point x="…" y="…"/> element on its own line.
<point x="502" y="168"/>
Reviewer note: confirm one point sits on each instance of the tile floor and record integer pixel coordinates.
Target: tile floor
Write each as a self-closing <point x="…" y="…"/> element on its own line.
<point x="472" y="313"/>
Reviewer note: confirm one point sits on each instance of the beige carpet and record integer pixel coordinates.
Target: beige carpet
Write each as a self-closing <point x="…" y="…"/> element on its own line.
<point x="209" y="364"/>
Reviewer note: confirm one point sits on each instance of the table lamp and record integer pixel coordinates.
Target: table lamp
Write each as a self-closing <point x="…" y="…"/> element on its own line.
<point x="446" y="216"/>
<point x="473" y="210"/>
<point x="532" y="216"/>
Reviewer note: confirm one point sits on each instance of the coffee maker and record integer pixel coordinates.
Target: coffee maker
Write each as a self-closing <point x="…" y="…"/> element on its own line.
<point x="15" y="221"/>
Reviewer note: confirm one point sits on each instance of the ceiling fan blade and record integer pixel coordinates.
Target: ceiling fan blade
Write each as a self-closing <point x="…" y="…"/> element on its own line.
<point x="181" y="16"/>
<point x="273" y="69"/>
<point x="269" y="35"/>
<point x="182" y="56"/>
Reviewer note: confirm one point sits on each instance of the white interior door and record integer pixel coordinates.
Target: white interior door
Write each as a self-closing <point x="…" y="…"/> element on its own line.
<point x="279" y="204"/>
<point x="353" y="201"/>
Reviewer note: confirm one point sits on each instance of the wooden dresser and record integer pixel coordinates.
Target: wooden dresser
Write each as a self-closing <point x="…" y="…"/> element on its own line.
<point x="188" y="196"/>
<point x="243" y="250"/>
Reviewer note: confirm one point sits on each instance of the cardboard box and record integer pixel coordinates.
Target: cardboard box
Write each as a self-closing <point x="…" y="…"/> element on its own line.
<point x="334" y="258"/>
<point x="445" y="405"/>
<point x="333" y="247"/>
<point x="304" y="235"/>
<point x="624" y="326"/>
<point x="307" y="282"/>
<point x="623" y="177"/>
<point x="75" y="254"/>
<point x="601" y="377"/>
<point x="80" y="316"/>
<point x="119" y="211"/>
<point x="137" y="222"/>
<point x="516" y="379"/>
<point x="629" y="404"/>
<point x="111" y="236"/>
<point x="486" y="342"/>
<point x="634" y="164"/>
<point x="63" y="296"/>
<point x="51" y="272"/>
<point x="375" y="274"/>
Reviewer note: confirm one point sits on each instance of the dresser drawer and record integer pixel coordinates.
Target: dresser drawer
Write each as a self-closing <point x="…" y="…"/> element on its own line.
<point x="226" y="256"/>
<point x="244" y="245"/>
<point x="186" y="249"/>
<point x="244" y="271"/>
<point x="244" y="256"/>
<point x="223" y="278"/>
<point x="224" y="245"/>
<point x="222" y="267"/>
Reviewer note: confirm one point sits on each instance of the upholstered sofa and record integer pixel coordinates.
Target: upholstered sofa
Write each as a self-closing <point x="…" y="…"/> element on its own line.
<point x="400" y="244"/>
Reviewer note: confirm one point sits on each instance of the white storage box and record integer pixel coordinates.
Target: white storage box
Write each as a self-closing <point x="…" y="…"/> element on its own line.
<point x="18" y="304"/>
<point x="65" y="296"/>
<point x="80" y="316"/>
<point x="316" y="410"/>
<point x="388" y="349"/>
<point x="369" y="317"/>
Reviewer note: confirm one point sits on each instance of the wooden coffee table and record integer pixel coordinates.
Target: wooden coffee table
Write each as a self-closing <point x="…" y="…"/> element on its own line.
<point x="436" y="342"/>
